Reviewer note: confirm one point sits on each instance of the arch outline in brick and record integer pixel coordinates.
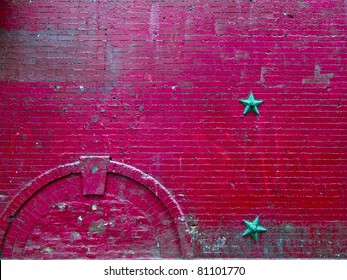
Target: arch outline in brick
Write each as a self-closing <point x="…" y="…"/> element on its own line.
<point x="113" y="167"/>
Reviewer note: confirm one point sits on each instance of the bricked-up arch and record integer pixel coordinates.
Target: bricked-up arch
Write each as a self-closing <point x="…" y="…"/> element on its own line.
<point x="107" y="191"/>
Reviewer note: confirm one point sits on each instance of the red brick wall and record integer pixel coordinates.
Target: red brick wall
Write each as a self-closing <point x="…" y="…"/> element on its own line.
<point x="156" y="85"/>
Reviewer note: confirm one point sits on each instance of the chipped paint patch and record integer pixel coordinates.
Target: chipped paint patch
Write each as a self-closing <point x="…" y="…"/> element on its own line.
<point x="75" y="236"/>
<point x="97" y="227"/>
<point x="47" y="250"/>
<point x="318" y="77"/>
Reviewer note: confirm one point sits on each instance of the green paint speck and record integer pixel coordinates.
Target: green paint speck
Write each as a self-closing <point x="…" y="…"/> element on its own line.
<point x="94" y="169"/>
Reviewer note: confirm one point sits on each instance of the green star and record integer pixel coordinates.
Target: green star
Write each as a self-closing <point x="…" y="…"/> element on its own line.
<point x="251" y="104"/>
<point x="253" y="229"/>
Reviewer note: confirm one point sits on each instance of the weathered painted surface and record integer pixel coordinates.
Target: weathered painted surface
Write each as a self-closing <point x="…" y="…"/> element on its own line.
<point x="154" y="88"/>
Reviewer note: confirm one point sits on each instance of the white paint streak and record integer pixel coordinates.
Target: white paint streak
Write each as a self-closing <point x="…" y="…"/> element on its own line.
<point x="154" y="21"/>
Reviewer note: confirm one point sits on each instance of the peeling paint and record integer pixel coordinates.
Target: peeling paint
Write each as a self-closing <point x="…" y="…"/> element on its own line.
<point x="318" y="77"/>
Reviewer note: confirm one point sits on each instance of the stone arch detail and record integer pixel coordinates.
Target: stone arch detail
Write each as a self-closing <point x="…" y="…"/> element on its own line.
<point x="92" y="172"/>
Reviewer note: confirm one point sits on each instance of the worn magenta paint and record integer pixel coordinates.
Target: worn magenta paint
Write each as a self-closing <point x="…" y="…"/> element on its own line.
<point x="156" y="85"/>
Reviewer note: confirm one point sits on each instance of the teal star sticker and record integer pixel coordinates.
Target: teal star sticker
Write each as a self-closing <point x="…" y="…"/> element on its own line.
<point x="251" y="104"/>
<point x="253" y="229"/>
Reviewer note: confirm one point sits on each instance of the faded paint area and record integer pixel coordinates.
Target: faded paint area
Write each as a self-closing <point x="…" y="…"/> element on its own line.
<point x="281" y="241"/>
<point x="154" y="21"/>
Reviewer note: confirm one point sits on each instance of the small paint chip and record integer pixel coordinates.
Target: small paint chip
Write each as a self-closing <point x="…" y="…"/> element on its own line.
<point x="290" y="15"/>
<point x="97" y="227"/>
<point x="3" y="197"/>
<point x="82" y="88"/>
<point x="94" y="207"/>
<point x="61" y="206"/>
<point x="47" y="250"/>
<point x="75" y="236"/>
<point x="80" y="218"/>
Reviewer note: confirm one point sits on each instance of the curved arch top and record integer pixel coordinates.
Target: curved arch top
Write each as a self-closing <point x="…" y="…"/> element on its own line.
<point x="99" y="166"/>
